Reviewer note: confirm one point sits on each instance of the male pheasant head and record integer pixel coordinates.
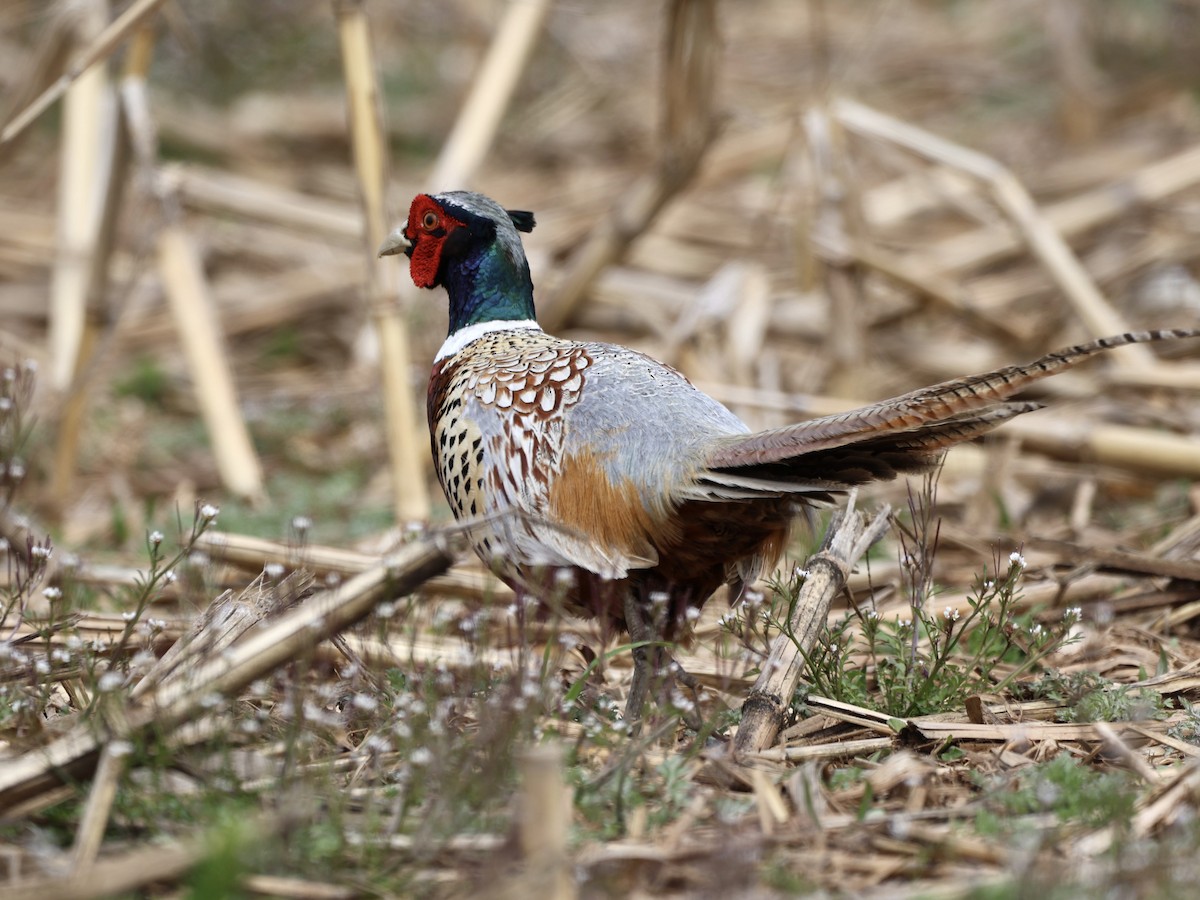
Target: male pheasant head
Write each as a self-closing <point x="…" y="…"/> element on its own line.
<point x="468" y="244"/>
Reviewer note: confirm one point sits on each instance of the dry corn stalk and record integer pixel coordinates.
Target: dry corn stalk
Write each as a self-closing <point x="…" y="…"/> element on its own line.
<point x="689" y="79"/>
<point x="88" y="139"/>
<point x="91" y="347"/>
<point x="1043" y="239"/>
<point x="849" y="537"/>
<point x="37" y="778"/>
<point x="405" y="447"/>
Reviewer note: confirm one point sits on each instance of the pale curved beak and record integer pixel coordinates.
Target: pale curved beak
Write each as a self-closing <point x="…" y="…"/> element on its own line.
<point x="394" y="243"/>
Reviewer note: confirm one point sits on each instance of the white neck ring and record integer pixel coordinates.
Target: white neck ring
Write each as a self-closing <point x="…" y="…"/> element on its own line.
<point x="470" y="333"/>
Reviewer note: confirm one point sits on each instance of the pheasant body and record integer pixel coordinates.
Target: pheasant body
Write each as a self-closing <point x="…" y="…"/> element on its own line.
<point x="595" y="460"/>
<point x="523" y="421"/>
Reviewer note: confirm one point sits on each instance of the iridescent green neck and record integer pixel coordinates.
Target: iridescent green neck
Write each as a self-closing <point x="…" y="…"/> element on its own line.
<point x="488" y="286"/>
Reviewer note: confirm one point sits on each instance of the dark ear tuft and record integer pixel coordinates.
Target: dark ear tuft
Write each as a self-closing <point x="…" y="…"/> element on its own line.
<point x="522" y="218"/>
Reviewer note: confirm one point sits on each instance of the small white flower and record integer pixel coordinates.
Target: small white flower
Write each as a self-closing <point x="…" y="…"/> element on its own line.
<point x="365" y="702"/>
<point x="904" y="623"/>
<point x="208" y="512"/>
<point x="155" y="538"/>
<point x="951" y="614"/>
<point x="302" y="523"/>
<point x="170" y="577"/>
<point x="872" y="614"/>
<point x="16" y="470"/>
<point x="420" y="757"/>
<point x="110" y="681"/>
<point x="120" y="749"/>
<point x="41" y="552"/>
<point x="1015" y="558"/>
<point x="273" y="570"/>
<point x="41" y="666"/>
<point x="693" y="613"/>
<point x="681" y="702"/>
<point x="800" y="573"/>
<point x="1035" y="629"/>
<point x="1073" y="614"/>
<point x="129" y="615"/>
<point x="1047" y="792"/>
<point x="52" y="593"/>
<point x="376" y="743"/>
<point x="386" y="609"/>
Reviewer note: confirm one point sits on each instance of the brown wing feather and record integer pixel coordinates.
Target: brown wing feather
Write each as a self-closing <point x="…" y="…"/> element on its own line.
<point x="878" y="458"/>
<point x="957" y="404"/>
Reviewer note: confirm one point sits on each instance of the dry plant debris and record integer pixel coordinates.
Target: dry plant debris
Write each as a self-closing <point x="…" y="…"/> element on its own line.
<point x="802" y="205"/>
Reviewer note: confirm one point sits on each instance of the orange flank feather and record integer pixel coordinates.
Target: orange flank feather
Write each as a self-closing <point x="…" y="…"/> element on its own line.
<point x="584" y="500"/>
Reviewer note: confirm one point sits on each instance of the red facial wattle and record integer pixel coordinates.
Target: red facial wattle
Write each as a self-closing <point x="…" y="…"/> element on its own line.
<point x="427" y="228"/>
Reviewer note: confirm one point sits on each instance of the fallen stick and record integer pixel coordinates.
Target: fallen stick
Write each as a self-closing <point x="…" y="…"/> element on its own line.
<point x="1149" y="185"/>
<point x="32" y="779"/>
<point x="765" y="709"/>
<point x="100" y="48"/>
<point x="1043" y="239"/>
<point x="250" y="552"/>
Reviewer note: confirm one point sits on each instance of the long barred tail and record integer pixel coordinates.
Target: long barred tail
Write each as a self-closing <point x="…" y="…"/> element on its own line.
<point x="906" y="432"/>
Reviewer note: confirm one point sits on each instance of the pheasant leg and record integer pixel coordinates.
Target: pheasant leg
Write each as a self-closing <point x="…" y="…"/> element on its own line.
<point x="688" y="680"/>
<point x="641" y="636"/>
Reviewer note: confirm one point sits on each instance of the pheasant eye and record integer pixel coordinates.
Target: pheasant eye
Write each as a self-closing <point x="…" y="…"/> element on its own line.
<point x="429" y="221"/>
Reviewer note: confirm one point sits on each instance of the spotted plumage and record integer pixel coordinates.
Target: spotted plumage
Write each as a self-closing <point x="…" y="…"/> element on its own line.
<point x="595" y="460"/>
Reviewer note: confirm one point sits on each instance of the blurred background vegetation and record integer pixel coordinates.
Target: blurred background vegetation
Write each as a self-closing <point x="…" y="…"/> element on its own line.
<point x="250" y="96"/>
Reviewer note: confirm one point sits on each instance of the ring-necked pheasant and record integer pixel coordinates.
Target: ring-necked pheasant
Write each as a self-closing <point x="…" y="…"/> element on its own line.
<point x="614" y="467"/>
